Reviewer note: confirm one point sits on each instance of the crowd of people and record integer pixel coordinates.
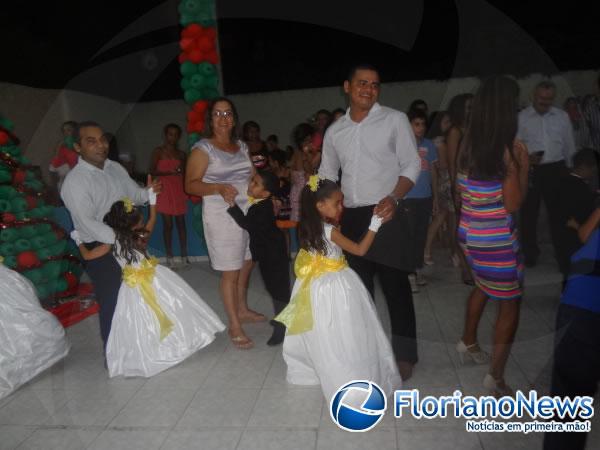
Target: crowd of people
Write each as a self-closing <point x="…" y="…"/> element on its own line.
<point x="369" y="190"/>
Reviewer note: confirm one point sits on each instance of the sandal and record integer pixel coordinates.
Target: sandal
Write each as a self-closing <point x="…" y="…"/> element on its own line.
<point x="241" y="342"/>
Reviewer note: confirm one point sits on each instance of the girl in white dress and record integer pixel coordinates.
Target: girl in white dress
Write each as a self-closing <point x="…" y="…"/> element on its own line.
<point x="333" y="332"/>
<point x="159" y="320"/>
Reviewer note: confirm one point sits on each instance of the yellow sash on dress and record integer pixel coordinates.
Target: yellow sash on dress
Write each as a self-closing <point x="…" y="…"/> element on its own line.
<point x="297" y="315"/>
<point x="143" y="276"/>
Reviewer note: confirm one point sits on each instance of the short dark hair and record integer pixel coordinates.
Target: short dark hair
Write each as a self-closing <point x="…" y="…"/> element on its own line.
<point x="361" y="66"/>
<point x="586" y="157"/>
<point x="301" y="132"/>
<point x="414" y="114"/>
<point x="273" y="138"/>
<point x="84" y="124"/>
<point x="250" y="124"/>
<point x="171" y="125"/>
<point x="338" y="110"/>
<point x="270" y="181"/>
<point x="415" y="104"/>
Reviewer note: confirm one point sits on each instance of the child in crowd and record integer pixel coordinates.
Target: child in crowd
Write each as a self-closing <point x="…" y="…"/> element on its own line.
<point x="333" y="331"/>
<point x="267" y="243"/>
<point x="422" y="199"/>
<point x="576" y="201"/>
<point x="159" y="319"/>
<point x="65" y="156"/>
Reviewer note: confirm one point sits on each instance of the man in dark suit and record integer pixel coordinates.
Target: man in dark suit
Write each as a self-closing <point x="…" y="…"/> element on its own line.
<point x="267" y="243"/>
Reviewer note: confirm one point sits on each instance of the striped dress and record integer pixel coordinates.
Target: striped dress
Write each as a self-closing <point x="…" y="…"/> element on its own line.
<point x="488" y="238"/>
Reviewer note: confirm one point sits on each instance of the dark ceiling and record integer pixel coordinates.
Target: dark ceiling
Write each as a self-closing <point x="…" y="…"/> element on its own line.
<point x="127" y="50"/>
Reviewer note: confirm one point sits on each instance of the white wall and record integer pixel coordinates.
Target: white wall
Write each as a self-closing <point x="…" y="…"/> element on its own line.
<point x="38" y="113"/>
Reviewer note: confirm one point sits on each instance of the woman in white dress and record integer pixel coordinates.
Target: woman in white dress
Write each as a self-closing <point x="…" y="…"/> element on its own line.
<point x="31" y="338"/>
<point x="159" y="319"/>
<point x="334" y="334"/>
<point x="219" y="169"/>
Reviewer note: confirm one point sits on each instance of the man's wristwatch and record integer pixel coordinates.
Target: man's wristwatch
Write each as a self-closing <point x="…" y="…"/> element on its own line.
<point x="395" y="198"/>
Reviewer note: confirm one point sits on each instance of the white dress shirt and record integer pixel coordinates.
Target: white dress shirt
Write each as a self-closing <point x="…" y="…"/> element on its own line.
<point x="89" y="193"/>
<point x="551" y="132"/>
<point x="372" y="155"/>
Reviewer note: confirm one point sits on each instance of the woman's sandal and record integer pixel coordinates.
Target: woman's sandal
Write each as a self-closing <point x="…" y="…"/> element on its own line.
<point x="241" y="342"/>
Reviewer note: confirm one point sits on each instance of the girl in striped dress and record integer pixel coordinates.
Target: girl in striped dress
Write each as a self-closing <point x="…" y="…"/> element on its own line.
<point x="492" y="183"/>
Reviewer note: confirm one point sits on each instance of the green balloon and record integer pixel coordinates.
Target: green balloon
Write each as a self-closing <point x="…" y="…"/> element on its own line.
<point x="19" y="204"/>
<point x="36" y="213"/>
<point x="191" y="6"/>
<point x="186" y="19"/>
<point x="196" y="81"/>
<point x="61" y="285"/>
<point x="28" y="231"/>
<point x="43" y="290"/>
<point x="7" y="192"/>
<point x="22" y="245"/>
<point x="6" y="123"/>
<point x="21" y="215"/>
<point x="38" y="243"/>
<point x="5" y="176"/>
<point x="50" y="237"/>
<point x="34" y="185"/>
<point x="58" y="248"/>
<point x="44" y="253"/>
<point x="191" y="96"/>
<point x="7" y="249"/>
<point x="51" y="269"/>
<point x="207" y="69"/>
<point x="5" y="205"/>
<point x="9" y="235"/>
<point x="188" y="68"/>
<point x="29" y="175"/>
<point x="35" y="276"/>
<point x="45" y="227"/>
<point x="210" y="93"/>
<point x="77" y="269"/>
<point x="185" y="84"/>
<point x="193" y="138"/>
<point x="10" y="261"/>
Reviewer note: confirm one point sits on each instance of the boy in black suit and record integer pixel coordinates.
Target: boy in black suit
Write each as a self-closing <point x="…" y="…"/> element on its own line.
<point x="577" y="202"/>
<point x="267" y="243"/>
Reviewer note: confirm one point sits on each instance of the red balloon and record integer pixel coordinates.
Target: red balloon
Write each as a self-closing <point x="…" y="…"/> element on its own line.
<point x="200" y="106"/>
<point x="195" y="116"/>
<point x="27" y="260"/>
<point x="71" y="279"/>
<point x="192" y="30"/>
<point x="205" y="44"/>
<point x="19" y="176"/>
<point x="183" y="57"/>
<point x="196" y="56"/>
<point x="213" y="57"/>
<point x="4" y="138"/>
<point x="31" y="201"/>
<point x="8" y="217"/>
<point x="211" y="33"/>
<point x="186" y="44"/>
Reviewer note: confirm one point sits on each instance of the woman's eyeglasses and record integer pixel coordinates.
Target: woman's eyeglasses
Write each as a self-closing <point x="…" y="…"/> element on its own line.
<point x="226" y="114"/>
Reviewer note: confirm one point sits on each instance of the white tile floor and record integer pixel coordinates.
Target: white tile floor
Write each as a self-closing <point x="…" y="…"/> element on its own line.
<point x="223" y="398"/>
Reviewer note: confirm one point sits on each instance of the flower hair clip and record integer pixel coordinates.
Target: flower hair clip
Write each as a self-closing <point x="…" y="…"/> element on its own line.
<point x="313" y="182"/>
<point x="128" y="204"/>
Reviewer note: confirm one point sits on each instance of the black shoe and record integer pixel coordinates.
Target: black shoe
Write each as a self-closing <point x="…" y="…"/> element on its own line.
<point x="278" y="334"/>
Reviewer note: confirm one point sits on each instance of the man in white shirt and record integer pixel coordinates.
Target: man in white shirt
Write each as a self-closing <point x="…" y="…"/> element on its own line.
<point x="89" y="191"/>
<point x="376" y="150"/>
<point x="548" y="134"/>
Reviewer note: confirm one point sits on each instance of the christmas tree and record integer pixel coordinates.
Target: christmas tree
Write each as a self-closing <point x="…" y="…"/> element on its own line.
<point x="30" y="241"/>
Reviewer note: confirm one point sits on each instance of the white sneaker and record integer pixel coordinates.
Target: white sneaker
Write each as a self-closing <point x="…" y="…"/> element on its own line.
<point x="413" y="283"/>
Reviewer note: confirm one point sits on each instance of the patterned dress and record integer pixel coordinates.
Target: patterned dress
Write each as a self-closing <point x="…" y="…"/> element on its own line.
<point x="488" y="237"/>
